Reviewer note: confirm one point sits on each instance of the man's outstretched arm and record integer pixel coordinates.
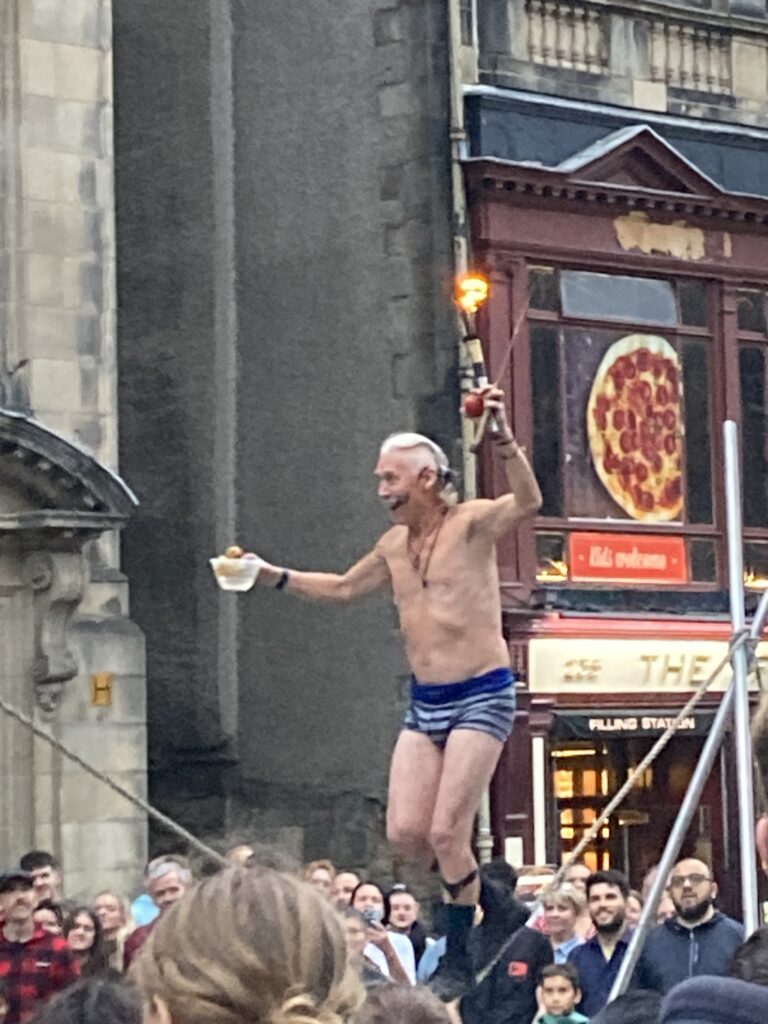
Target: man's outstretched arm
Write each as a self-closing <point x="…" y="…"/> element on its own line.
<point x="370" y="573"/>
<point x="501" y="514"/>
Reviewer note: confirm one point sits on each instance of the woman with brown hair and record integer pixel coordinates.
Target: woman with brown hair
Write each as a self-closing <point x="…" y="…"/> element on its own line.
<point x="248" y="946"/>
<point x="83" y="932"/>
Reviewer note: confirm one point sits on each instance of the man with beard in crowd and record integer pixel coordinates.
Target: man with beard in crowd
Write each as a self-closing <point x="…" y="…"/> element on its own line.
<point x="697" y="940"/>
<point x="598" y="960"/>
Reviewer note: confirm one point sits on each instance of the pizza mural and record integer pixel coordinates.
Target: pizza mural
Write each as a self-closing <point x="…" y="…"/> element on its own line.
<point x="635" y="428"/>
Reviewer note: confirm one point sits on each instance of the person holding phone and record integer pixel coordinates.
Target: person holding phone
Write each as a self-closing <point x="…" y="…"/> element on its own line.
<point x="438" y="560"/>
<point x="391" y="953"/>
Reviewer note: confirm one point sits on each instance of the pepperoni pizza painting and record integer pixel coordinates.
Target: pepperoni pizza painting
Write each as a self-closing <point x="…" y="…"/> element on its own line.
<point x="635" y="429"/>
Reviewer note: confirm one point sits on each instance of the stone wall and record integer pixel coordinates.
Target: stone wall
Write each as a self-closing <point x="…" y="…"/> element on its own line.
<point x="284" y="276"/>
<point x="59" y="362"/>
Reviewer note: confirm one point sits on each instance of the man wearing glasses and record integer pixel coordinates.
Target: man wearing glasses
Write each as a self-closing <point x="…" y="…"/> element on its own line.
<point x="697" y="940"/>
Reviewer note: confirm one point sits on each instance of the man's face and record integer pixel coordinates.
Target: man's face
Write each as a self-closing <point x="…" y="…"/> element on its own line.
<point x="167" y="890"/>
<point x="577" y="875"/>
<point x="560" y="918"/>
<point x="692" y="889"/>
<point x="403" y="910"/>
<point x="17" y="903"/>
<point x="344" y="884"/>
<point x="607" y="907"/>
<point x="559" y="996"/>
<point x="322" y="880"/>
<point x="47" y="883"/>
<point x="402" y="489"/>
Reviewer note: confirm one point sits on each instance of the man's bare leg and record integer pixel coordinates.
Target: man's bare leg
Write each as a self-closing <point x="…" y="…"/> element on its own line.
<point x="414" y="779"/>
<point x="469" y="761"/>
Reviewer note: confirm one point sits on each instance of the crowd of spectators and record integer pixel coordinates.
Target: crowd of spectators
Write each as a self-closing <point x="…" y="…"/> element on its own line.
<point x="257" y="941"/>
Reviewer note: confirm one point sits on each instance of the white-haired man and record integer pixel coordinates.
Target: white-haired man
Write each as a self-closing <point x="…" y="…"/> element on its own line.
<point x="439" y="561"/>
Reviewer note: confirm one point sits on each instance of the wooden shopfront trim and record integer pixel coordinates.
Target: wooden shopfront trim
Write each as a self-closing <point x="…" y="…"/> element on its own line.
<point x="521" y="214"/>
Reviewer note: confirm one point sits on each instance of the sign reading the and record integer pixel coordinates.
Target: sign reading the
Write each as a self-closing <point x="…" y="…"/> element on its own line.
<point x="628" y="666"/>
<point x="622" y="558"/>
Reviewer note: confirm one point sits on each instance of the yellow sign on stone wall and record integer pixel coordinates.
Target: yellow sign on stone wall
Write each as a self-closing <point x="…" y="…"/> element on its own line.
<point x="101" y="689"/>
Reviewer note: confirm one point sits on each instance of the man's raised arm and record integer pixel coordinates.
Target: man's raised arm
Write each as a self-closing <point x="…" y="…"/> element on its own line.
<point x="370" y="573"/>
<point x="501" y="514"/>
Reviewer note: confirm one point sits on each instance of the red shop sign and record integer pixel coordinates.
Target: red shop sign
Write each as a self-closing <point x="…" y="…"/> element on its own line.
<point x="623" y="558"/>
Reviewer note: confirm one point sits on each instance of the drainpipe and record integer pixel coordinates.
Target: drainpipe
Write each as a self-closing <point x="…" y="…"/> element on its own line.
<point x="460" y="266"/>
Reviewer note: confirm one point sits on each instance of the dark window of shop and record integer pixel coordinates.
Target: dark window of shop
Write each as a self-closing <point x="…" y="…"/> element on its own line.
<point x="752" y="322"/>
<point x="622" y="381"/>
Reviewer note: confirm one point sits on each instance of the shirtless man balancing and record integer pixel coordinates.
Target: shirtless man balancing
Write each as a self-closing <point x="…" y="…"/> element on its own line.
<point x="439" y="560"/>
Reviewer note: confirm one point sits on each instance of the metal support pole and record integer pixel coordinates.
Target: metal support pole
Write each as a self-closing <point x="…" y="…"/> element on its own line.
<point x="674" y="842"/>
<point x="744" y="761"/>
<point x="684" y="818"/>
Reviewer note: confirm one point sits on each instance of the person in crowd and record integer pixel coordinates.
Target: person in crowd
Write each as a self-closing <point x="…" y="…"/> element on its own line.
<point x="49" y="916"/>
<point x="103" y="1000"/>
<point x="392" y="953"/>
<point x="558" y="995"/>
<point x="750" y="960"/>
<point x="403" y="917"/>
<point x="4" y="1003"/>
<point x="239" y="854"/>
<point x="635" y="904"/>
<point x="599" y="958"/>
<point x="666" y="907"/>
<point x="709" y="1000"/>
<point x="562" y="906"/>
<point x="83" y="932"/>
<point x="320" y="874"/>
<point x="394" y="1004"/>
<point x="114" y="913"/>
<point x="576" y="874"/>
<point x="168" y="881"/>
<point x="33" y="964"/>
<point x="46" y="874"/>
<point x="697" y="940"/>
<point x="144" y="910"/>
<point x="356" y="931"/>
<point x="344" y="884"/>
<point x="634" y="1007"/>
<point x="507" y="956"/>
<point x="248" y="944"/>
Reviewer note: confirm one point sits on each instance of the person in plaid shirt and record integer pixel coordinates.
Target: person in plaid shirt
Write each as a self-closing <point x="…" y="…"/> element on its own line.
<point x="33" y="964"/>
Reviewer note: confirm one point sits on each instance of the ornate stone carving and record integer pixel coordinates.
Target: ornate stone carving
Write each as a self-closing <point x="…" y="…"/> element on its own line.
<point x="57" y="580"/>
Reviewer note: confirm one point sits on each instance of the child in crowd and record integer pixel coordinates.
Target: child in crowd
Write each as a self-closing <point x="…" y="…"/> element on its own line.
<point x="559" y="993"/>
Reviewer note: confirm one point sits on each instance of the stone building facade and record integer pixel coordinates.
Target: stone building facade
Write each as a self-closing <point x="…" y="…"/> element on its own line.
<point x="284" y="282"/>
<point x="285" y="230"/>
<point x="70" y="656"/>
<point x="616" y="168"/>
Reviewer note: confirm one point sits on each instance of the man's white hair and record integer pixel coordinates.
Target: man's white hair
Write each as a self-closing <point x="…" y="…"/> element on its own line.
<point x="431" y="456"/>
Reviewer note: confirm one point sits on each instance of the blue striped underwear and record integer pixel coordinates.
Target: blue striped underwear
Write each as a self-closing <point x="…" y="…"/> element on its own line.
<point x="485" y="704"/>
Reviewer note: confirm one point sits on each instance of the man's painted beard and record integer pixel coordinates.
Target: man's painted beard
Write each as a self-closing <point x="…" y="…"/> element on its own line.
<point x="693" y="911"/>
<point x="612" y="925"/>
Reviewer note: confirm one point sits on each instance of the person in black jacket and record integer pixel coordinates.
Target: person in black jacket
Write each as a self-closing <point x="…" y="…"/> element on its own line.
<point x="697" y="940"/>
<point x="507" y="955"/>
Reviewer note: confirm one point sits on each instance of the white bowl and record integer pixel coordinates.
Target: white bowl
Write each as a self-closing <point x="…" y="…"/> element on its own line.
<point x="236" y="573"/>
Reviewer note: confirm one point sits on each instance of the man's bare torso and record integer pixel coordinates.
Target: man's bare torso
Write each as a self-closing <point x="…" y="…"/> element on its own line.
<point x="451" y="626"/>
